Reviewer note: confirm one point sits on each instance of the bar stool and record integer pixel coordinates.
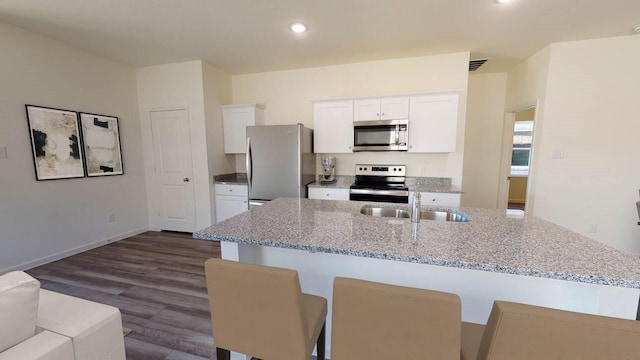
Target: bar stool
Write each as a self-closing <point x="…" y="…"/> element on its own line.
<point x="519" y="331"/>
<point x="260" y="311"/>
<point x="379" y="321"/>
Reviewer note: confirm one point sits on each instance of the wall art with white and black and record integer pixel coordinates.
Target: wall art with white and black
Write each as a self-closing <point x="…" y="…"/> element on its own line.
<point x="55" y="142"/>
<point x="101" y="140"/>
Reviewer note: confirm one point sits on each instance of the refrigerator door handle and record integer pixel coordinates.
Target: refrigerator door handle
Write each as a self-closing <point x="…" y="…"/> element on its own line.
<point x="249" y="165"/>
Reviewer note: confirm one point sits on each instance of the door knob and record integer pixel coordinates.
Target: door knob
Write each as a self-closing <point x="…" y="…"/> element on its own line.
<point x="185" y="179"/>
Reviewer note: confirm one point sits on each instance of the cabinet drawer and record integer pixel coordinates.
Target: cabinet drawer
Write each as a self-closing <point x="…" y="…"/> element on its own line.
<point x="328" y="194"/>
<point x="232" y="190"/>
<point x="440" y="199"/>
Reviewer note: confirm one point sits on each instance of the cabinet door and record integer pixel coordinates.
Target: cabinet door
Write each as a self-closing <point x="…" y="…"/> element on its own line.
<point x="235" y="120"/>
<point x="333" y="127"/>
<point x="439" y="199"/>
<point x="387" y="108"/>
<point x="364" y="110"/>
<point x="394" y="108"/>
<point x="231" y="190"/>
<point x="229" y="206"/>
<point x="433" y="123"/>
<point x="328" y="194"/>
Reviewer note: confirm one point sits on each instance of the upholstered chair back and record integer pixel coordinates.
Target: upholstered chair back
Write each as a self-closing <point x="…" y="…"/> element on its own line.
<point x="259" y="310"/>
<point x="519" y="331"/>
<point x="379" y="321"/>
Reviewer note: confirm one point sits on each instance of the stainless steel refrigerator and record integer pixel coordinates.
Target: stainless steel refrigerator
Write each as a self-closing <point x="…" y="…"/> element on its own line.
<point x="280" y="162"/>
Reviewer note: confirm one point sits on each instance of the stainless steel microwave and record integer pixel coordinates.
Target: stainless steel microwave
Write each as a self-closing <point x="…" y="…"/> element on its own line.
<point x="381" y="135"/>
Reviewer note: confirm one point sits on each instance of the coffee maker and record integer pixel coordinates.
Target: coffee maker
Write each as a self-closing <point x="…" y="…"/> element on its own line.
<point x="328" y="169"/>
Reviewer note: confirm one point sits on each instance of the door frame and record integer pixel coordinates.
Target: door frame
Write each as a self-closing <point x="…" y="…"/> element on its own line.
<point x="505" y="157"/>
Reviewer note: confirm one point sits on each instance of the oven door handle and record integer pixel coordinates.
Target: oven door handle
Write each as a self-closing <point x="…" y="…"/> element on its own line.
<point x="379" y="192"/>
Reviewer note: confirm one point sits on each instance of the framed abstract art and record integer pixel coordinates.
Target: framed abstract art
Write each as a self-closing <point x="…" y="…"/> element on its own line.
<point x="55" y="143"/>
<point x="101" y="144"/>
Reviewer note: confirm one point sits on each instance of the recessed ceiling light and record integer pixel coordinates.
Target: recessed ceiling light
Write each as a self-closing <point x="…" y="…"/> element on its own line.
<point x="503" y="1"/>
<point x="298" y="27"/>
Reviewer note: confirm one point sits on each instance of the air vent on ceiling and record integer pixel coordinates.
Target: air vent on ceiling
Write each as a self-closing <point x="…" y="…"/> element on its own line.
<point x="475" y="64"/>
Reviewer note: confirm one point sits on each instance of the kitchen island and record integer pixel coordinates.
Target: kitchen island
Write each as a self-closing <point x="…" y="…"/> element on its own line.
<point x="492" y="257"/>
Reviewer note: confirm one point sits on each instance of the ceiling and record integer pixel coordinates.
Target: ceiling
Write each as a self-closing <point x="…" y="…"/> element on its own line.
<point x="247" y="36"/>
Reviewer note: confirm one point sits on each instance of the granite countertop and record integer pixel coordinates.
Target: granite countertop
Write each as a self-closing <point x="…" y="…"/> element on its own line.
<point x="233" y="178"/>
<point x="490" y="242"/>
<point x="423" y="184"/>
<point x="342" y="182"/>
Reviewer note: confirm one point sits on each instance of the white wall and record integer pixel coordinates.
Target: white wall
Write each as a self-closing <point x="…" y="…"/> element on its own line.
<point x="527" y="86"/>
<point x="176" y="86"/>
<point x="41" y="221"/>
<point x="288" y="96"/>
<point x="217" y="91"/>
<point x="592" y="115"/>
<point x="483" y="139"/>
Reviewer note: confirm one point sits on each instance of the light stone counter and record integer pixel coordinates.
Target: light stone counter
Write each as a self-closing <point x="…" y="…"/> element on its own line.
<point x="424" y="184"/>
<point x="493" y="257"/>
<point x="342" y="182"/>
<point x="490" y="242"/>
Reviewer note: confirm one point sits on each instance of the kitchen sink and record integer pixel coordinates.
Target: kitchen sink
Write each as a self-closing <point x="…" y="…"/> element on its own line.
<point x="385" y="212"/>
<point x="437" y="215"/>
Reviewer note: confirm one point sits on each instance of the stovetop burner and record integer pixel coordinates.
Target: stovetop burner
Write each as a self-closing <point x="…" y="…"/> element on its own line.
<point x="382" y="183"/>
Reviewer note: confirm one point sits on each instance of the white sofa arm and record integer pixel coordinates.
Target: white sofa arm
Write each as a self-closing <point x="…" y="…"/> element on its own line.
<point x="18" y="308"/>
<point x="43" y="346"/>
<point x="95" y="329"/>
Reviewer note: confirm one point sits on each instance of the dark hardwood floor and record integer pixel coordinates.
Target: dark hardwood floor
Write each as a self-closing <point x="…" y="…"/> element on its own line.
<point x="156" y="279"/>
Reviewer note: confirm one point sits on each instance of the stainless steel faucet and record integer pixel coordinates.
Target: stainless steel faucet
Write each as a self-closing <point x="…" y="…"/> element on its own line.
<point x="415" y="207"/>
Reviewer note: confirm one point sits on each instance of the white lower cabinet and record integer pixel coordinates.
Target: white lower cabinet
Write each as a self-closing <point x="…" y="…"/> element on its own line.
<point x="437" y="199"/>
<point x="231" y="200"/>
<point x="328" y="194"/>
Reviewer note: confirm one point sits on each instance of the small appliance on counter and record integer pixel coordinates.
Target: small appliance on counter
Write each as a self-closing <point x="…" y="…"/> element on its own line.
<point x="328" y="170"/>
<point x="380" y="183"/>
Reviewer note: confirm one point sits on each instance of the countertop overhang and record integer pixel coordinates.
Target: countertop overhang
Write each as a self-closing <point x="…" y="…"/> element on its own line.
<point x="492" y="241"/>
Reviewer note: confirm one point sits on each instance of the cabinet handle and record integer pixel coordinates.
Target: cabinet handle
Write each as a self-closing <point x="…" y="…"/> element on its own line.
<point x="185" y="179"/>
<point x="327" y="194"/>
<point x="377" y="114"/>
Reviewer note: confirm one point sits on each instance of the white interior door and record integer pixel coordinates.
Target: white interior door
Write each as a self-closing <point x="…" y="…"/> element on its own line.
<point x="173" y="170"/>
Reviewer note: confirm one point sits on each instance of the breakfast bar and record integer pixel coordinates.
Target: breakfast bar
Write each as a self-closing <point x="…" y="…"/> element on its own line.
<point x="491" y="257"/>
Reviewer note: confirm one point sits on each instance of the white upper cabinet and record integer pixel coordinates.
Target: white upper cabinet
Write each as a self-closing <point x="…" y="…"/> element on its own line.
<point x="235" y="120"/>
<point x="387" y="108"/>
<point x="333" y="127"/>
<point x="433" y="122"/>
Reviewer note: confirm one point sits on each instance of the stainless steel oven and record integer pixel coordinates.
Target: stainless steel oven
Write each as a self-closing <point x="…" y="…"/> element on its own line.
<point x="381" y="135"/>
<point x="380" y="183"/>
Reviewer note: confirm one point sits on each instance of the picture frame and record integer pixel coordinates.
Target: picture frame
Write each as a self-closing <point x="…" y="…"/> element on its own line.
<point x="101" y="145"/>
<point x="55" y="143"/>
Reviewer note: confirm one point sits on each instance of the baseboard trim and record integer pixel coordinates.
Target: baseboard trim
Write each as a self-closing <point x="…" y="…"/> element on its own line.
<point x="63" y="254"/>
